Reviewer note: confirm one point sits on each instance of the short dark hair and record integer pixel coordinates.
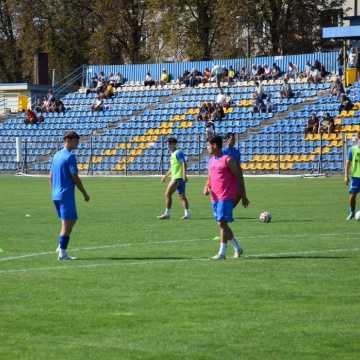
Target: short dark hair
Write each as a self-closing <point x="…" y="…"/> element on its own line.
<point x="71" y="135"/>
<point x="171" y="140"/>
<point x="229" y="135"/>
<point x="218" y="140"/>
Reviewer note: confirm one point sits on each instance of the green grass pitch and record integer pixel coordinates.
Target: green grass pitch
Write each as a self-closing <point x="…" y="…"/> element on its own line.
<point x="144" y="289"/>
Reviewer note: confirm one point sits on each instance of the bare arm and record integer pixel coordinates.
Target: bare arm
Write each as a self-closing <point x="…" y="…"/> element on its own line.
<point x="237" y="172"/>
<point x="80" y="186"/>
<point x="347" y="172"/>
<point x="184" y="167"/>
<point x="164" y="177"/>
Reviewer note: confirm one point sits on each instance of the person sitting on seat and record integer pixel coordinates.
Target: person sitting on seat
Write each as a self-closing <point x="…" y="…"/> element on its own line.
<point x="338" y="88"/>
<point x="312" y="125"/>
<point x="327" y="125"/>
<point x="345" y="103"/>
<point x="30" y="117"/>
<point x="164" y="78"/>
<point x="286" y="90"/>
<point x="149" y="81"/>
<point x="98" y="104"/>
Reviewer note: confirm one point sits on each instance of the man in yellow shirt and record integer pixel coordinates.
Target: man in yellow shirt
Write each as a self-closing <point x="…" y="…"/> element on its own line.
<point x="178" y="180"/>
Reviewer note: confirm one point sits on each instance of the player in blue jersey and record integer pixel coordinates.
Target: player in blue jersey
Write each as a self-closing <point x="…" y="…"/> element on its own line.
<point x="63" y="179"/>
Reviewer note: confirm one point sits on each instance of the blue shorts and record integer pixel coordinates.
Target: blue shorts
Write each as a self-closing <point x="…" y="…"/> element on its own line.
<point x="223" y="210"/>
<point x="66" y="209"/>
<point x="354" y="185"/>
<point x="181" y="184"/>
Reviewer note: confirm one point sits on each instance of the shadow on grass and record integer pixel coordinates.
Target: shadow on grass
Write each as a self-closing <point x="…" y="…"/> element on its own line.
<point x="140" y="258"/>
<point x="289" y="257"/>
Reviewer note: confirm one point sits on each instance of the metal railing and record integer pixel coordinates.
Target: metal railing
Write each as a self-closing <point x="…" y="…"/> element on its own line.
<point x="127" y="157"/>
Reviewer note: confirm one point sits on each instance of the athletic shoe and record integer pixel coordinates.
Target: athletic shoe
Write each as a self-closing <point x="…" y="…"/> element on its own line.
<point x="185" y="217"/>
<point x="163" y="217"/>
<point x="218" y="257"/>
<point x="350" y="216"/>
<point x="216" y="238"/>
<point x="238" y="253"/>
<point x="66" y="257"/>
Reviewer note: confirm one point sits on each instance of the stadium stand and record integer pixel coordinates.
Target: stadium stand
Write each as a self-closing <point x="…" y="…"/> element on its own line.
<point x="128" y="136"/>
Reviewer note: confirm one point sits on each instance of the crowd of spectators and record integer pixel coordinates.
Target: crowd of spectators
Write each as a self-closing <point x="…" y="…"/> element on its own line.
<point x="212" y="112"/>
<point x="48" y="103"/>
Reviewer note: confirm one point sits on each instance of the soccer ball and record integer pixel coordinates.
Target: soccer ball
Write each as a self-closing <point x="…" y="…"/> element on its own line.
<point x="265" y="217"/>
<point x="357" y="216"/>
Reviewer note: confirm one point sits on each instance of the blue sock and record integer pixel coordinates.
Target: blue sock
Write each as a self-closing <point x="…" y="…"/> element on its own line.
<point x="64" y="241"/>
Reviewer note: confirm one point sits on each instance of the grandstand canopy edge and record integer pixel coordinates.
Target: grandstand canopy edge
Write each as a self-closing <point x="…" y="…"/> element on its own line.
<point x="137" y="72"/>
<point x="15" y="97"/>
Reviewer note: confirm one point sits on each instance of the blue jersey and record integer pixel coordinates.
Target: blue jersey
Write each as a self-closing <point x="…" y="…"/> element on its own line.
<point x="62" y="168"/>
<point x="233" y="153"/>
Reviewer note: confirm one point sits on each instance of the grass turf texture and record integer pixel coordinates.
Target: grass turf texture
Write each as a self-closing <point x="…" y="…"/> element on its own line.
<point x="151" y="294"/>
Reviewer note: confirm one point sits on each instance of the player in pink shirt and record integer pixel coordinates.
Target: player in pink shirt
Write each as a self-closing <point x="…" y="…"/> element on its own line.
<point x="225" y="184"/>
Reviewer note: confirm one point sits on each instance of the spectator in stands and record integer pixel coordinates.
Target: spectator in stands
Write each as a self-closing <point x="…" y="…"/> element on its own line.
<point x="217" y="73"/>
<point x="37" y="105"/>
<point x="253" y="73"/>
<point x="30" y="117"/>
<point x="109" y="92"/>
<point x="259" y="90"/>
<point x="307" y="70"/>
<point x="228" y="101"/>
<point x="268" y="104"/>
<point x="203" y="112"/>
<point x="98" y="104"/>
<point x="244" y="74"/>
<point x="267" y="72"/>
<point x="259" y="105"/>
<point x="149" y="81"/>
<point x="276" y="72"/>
<point x="164" y="78"/>
<point x="220" y="99"/>
<point x="327" y="125"/>
<point x="217" y="113"/>
<point x="352" y="58"/>
<point x="260" y="73"/>
<point x="209" y="129"/>
<point x="312" y="125"/>
<point x="314" y="76"/>
<point x="338" y="88"/>
<point x="207" y="75"/>
<point x="345" y="103"/>
<point x="102" y="77"/>
<point x="231" y="75"/>
<point x="195" y="77"/>
<point x="286" y="90"/>
<point x="94" y="81"/>
<point x="292" y="71"/>
<point x="116" y="80"/>
<point x="59" y="106"/>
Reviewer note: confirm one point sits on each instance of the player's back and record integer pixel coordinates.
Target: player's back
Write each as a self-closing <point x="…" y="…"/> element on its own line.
<point x="223" y="183"/>
<point x="62" y="168"/>
<point x="233" y="152"/>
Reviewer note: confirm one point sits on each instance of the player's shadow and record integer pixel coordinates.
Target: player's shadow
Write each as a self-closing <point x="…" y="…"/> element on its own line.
<point x="138" y="258"/>
<point x="289" y="257"/>
<point x="294" y="220"/>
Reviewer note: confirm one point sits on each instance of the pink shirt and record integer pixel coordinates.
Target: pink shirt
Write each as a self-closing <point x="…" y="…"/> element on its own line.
<point x="223" y="184"/>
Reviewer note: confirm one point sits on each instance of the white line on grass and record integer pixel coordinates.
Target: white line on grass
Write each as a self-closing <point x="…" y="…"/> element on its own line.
<point x="120" y="245"/>
<point x="157" y="261"/>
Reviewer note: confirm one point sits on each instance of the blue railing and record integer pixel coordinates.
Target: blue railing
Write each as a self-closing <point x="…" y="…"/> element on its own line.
<point x="137" y="72"/>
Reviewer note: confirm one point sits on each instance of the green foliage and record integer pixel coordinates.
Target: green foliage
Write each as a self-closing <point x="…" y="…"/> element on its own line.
<point x="76" y="32"/>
